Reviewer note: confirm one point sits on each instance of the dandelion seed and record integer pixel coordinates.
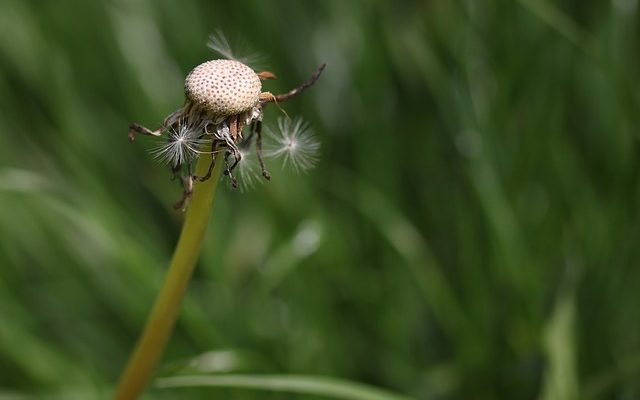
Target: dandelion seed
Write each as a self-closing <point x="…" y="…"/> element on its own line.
<point x="218" y="43"/>
<point x="293" y="142"/>
<point x="249" y="172"/>
<point x="183" y="145"/>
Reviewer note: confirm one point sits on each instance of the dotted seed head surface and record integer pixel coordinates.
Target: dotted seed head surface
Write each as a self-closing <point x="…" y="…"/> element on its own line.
<point x="223" y="87"/>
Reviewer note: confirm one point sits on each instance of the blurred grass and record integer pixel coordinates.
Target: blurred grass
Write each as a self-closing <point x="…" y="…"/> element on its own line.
<point x="470" y="232"/>
<point x="326" y="387"/>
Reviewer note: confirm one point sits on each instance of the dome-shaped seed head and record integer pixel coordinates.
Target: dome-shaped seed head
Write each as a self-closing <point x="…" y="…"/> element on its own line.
<point x="223" y="87"/>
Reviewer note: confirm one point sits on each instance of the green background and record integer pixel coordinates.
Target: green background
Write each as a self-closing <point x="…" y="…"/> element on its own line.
<point x="471" y="229"/>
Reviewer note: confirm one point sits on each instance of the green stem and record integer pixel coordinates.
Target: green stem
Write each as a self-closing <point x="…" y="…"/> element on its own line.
<point x="165" y="311"/>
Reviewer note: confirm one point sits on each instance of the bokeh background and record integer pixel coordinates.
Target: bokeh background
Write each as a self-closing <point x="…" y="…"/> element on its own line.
<point x="471" y="230"/>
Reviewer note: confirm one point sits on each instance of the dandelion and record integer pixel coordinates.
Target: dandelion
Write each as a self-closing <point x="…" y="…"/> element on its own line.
<point x="293" y="142"/>
<point x="222" y="98"/>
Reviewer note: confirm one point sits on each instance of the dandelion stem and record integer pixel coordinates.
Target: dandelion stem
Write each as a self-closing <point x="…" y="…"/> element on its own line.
<point x="160" y="322"/>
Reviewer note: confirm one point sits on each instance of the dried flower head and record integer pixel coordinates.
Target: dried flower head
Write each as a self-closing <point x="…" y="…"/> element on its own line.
<point x="222" y="97"/>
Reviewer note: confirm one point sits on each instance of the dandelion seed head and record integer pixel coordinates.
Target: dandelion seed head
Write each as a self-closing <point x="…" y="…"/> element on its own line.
<point x="224" y="96"/>
<point x="223" y="87"/>
<point x="294" y="143"/>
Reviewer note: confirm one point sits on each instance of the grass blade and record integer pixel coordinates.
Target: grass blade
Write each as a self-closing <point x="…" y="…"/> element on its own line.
<point x="303" y="384"/>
